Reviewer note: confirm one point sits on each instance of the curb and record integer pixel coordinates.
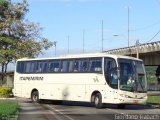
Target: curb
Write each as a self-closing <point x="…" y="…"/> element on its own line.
<point x="153" y="106"/>
<point x="7" y="98"/>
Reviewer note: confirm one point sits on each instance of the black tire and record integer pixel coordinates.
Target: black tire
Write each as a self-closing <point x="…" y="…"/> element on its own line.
<point x="121" y="106"/>
<point x="98" y="101"/>
<point x="35" y="97"/>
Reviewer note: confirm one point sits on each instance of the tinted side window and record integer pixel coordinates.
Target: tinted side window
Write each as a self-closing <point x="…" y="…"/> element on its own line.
<point x="67" y="66"/>
<point x="71" y="63"/>
<point x="109" y="64"/>
<point x="54" y="66"/>
<point x="30" y="67"/>
<point x="110" y="72"/>
<point x="84" y="65"/>
<point x="81" y="65"/>
<point x="76" y="65"/>
<point x="20" y="66"/>
<point x="95" y="65"/>
<point x="41" y="66"/>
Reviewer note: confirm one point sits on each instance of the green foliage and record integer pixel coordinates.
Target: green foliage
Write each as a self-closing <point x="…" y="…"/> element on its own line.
<point x="5" y="92"/>
<point x="18" y="37"/>
<point x="8" y="108"/>
<point x="3" y="2"/>
<point x="150" y="71"/>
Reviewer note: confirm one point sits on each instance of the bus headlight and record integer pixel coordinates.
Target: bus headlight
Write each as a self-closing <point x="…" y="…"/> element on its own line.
<point x="144" y="97"/>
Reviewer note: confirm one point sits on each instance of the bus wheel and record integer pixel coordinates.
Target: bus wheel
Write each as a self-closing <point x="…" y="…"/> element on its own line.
<point x="98" y="101"/>
<point x="35" y="97"/>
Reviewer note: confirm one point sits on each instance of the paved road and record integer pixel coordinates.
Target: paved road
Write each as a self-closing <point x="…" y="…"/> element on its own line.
<point x="84" y="111"/>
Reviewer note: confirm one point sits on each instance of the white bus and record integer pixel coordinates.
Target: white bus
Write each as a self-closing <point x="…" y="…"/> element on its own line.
<point x="99" y="78"/>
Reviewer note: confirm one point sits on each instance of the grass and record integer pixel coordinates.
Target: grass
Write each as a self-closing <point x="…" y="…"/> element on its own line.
<point x="153" y="100"/>
<point x="8" y="108"/>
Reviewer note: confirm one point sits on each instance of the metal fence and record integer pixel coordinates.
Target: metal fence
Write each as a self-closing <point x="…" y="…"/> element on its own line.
<point x="154" y="86"/>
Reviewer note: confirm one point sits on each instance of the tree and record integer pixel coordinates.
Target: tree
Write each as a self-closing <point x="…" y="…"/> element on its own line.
<point x="18" y="37"/>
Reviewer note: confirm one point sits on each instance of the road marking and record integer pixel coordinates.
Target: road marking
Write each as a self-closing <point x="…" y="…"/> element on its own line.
<point x="56" y="116"/>
<point x="116" y="111"/>
<point x="123" y="113"/>
<point x="66" y="116"/>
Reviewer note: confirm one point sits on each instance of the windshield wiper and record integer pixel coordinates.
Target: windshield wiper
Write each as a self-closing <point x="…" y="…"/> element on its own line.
<point x="135" y="88"/>
<point x="141" y="85"/>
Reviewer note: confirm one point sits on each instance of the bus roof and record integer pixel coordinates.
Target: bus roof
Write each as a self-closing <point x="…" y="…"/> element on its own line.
<point x="86" y="55"/>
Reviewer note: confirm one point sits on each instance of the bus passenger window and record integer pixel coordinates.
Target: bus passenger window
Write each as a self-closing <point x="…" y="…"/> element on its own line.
<point x="50" y="69"/>
<point x="81" y="65"/>
<point x="54" y="66"/>
<point x="76" y="66"/>
<point x="84" y="65"/>
<point x="95" y="65"/>
<point x="30" y="67"/>
<point x="71" y="63"/>
<point x="41" y="66"/>
<point x="65" y="66"/>
<point x="20" y="66"/>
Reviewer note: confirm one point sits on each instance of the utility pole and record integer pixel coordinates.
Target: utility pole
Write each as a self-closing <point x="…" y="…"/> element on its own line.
<point x="128" y="27"/>
<point x="137" y="48"/>
<point x="102" y="36"/>
<point x="83" y="38"/>
<point x="129" y="31"/>
<point x="68" y="44"/>
<point x="55" y="44"/>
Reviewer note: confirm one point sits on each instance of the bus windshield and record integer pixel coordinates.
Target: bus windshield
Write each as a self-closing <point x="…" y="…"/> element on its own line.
<point x="132" y="75"/>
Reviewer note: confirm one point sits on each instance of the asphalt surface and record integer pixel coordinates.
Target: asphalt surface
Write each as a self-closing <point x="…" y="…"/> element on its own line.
<point x="84" y="111"/>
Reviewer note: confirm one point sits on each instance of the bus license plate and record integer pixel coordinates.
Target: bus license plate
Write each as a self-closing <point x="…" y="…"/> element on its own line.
<point x="135" y="101"/>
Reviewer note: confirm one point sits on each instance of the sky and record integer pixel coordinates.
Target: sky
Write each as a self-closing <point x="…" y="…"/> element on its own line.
<point x="70" y="22"/>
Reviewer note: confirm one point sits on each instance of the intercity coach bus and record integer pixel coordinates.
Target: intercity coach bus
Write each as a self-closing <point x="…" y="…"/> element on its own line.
<point x="99" y="78"/>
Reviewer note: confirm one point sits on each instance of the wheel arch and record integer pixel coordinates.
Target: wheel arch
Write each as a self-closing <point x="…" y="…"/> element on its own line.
<point x="94" y="94"/>
<point x="33" y="91"/>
